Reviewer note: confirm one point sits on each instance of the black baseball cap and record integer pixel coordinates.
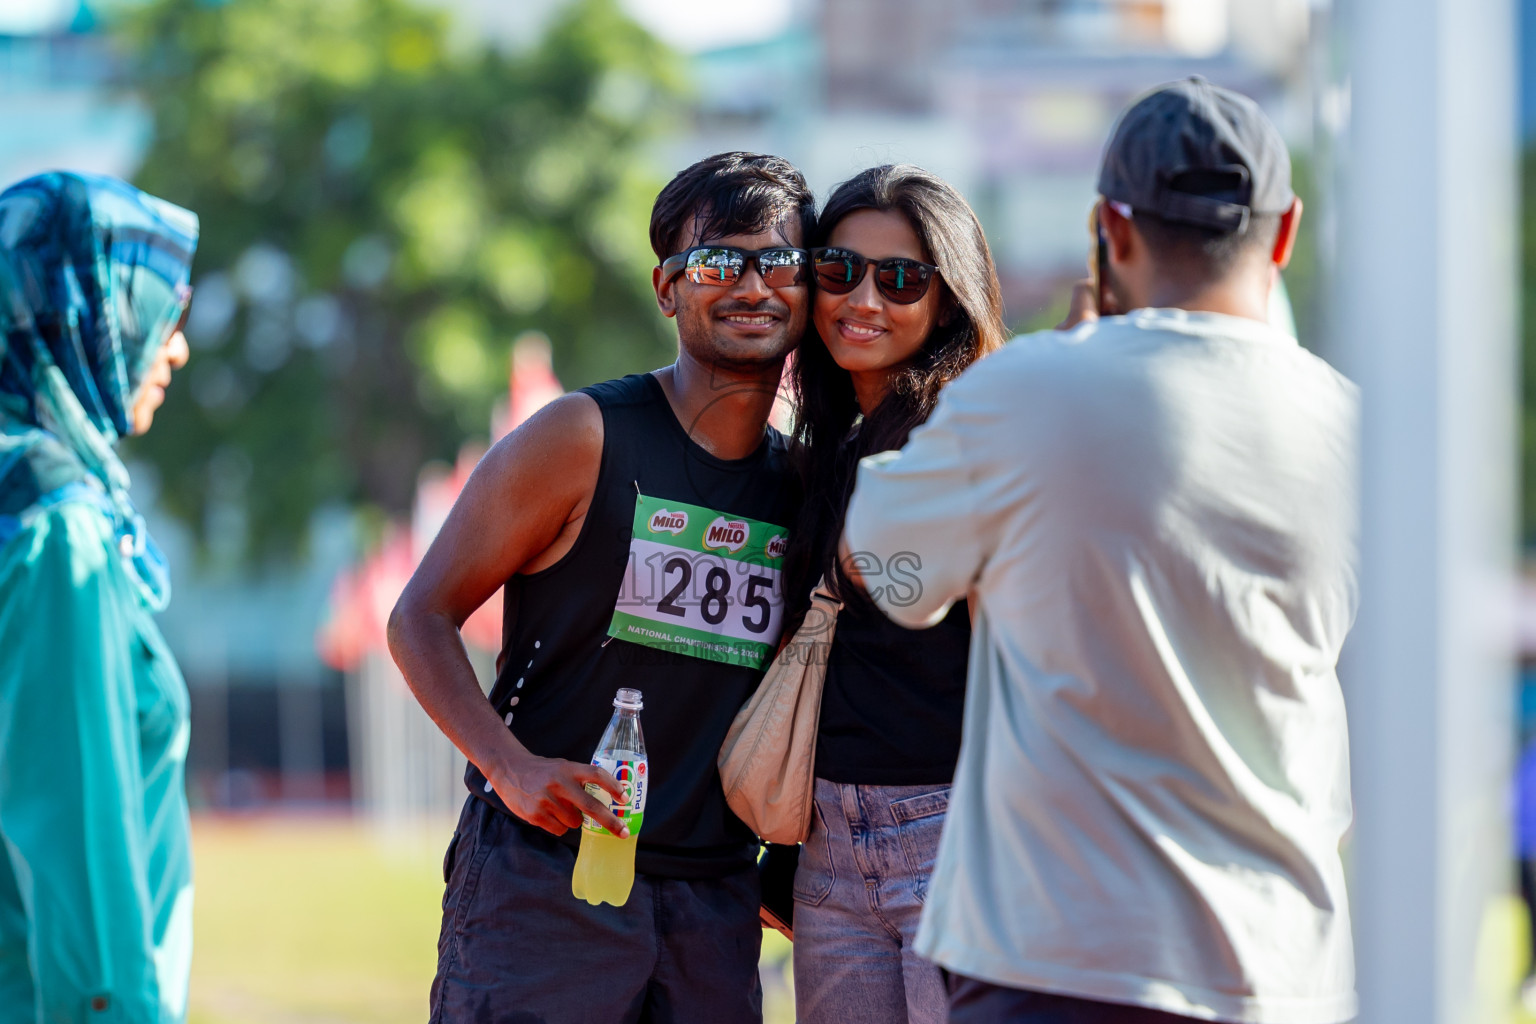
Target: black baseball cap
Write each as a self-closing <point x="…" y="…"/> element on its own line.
<point x="1195" y="153"/>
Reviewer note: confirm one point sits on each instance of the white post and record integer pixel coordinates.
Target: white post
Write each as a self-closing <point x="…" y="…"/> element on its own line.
<point x="1426" y="326"/>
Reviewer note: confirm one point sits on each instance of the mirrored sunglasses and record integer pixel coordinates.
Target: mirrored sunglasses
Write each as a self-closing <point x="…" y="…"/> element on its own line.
<point x="723" y="265"/>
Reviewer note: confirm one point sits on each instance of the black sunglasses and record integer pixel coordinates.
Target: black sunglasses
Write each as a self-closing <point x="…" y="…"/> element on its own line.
<point x="723" y="265"/>
<point x="901" y="280"/>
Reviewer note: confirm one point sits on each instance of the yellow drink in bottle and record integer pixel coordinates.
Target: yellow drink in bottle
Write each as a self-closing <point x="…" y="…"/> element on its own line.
<point x="605" y="868"/>
<point x="605" y="864"/>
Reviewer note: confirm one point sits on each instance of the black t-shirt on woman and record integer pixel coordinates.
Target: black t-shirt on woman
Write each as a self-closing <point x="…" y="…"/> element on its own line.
<point x="894" y="699"/>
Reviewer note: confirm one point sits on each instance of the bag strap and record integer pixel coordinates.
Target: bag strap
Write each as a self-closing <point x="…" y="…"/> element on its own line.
<point x="824" y="592"/>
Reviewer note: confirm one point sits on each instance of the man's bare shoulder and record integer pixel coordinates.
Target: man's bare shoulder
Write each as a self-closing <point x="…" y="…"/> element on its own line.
<point x="546" y="470"/>
<point x="531" y="491"/>
<point x="567" y="432"/>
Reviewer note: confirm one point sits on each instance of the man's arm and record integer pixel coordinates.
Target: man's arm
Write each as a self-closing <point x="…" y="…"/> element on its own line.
<point x="531" y="490"/>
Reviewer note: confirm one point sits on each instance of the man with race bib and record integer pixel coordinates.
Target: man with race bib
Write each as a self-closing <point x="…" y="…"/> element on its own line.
<point x="639" y="526"/>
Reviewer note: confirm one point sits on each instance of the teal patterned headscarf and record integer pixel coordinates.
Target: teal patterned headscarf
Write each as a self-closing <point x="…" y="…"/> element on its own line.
<point x="93" y="277"/>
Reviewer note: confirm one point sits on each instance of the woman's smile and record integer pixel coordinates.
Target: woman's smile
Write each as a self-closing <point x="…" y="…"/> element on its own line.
<point x="857" y="331"/>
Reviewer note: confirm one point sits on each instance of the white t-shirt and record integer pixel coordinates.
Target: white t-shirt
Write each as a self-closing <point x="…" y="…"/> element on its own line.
<point x="1154" y="517"/>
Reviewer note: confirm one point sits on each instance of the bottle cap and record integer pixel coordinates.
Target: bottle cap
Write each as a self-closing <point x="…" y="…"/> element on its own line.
<point x="628" y="699"/>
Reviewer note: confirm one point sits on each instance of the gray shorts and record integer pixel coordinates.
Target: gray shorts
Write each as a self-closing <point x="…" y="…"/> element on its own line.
<point x="517" y="948"/>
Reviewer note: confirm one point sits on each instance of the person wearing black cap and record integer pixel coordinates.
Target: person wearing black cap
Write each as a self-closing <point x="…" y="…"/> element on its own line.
<point x="1152" y="513"/>
<point x="1197" y="210"/>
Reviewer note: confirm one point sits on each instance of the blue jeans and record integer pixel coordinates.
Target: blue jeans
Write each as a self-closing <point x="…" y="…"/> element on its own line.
<point x="517" y="948"/>
<point x="859" y="893"/>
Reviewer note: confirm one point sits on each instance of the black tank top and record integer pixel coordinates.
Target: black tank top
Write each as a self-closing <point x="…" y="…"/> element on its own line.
<point x="559" y="667"/>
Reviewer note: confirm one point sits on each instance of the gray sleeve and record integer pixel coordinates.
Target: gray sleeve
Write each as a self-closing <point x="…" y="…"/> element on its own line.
<point x="917" y="523"/>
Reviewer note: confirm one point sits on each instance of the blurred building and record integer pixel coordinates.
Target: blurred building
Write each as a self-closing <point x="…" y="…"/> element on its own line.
<point x="1527" y="71"/>
<point x="1010" y="100"/>
<point x="56" y="94"/>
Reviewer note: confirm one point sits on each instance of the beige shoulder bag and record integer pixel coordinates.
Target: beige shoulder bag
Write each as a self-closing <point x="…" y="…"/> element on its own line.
<point x="769" y="755"/>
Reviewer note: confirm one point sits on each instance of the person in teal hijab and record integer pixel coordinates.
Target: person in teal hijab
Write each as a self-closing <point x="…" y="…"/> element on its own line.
<point x="95" y="849"/>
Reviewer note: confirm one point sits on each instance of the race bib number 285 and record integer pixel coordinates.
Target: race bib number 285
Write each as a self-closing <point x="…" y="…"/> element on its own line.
<point x="702" y="583"/>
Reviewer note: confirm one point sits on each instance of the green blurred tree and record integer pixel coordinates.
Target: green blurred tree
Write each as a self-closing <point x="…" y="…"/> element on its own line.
<point x="385" y="207"/>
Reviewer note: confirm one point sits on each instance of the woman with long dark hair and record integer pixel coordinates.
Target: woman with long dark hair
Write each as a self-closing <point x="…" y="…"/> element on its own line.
<point x="907" y="298"/>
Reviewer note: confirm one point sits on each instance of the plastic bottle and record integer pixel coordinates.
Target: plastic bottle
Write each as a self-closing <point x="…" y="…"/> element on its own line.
<point x="605" y="864"/>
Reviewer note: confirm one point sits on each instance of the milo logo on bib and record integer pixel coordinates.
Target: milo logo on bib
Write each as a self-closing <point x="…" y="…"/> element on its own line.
<point x="727" y="534"/>
<point x="663" y="521"/>
<point x="702" y="582"/>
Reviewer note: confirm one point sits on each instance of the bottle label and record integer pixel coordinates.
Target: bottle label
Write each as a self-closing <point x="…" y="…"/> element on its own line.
<point x="633" y="775"/>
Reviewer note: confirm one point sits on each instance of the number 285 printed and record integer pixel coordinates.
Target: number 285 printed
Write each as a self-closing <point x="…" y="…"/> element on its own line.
<point x="705" y="583"/>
